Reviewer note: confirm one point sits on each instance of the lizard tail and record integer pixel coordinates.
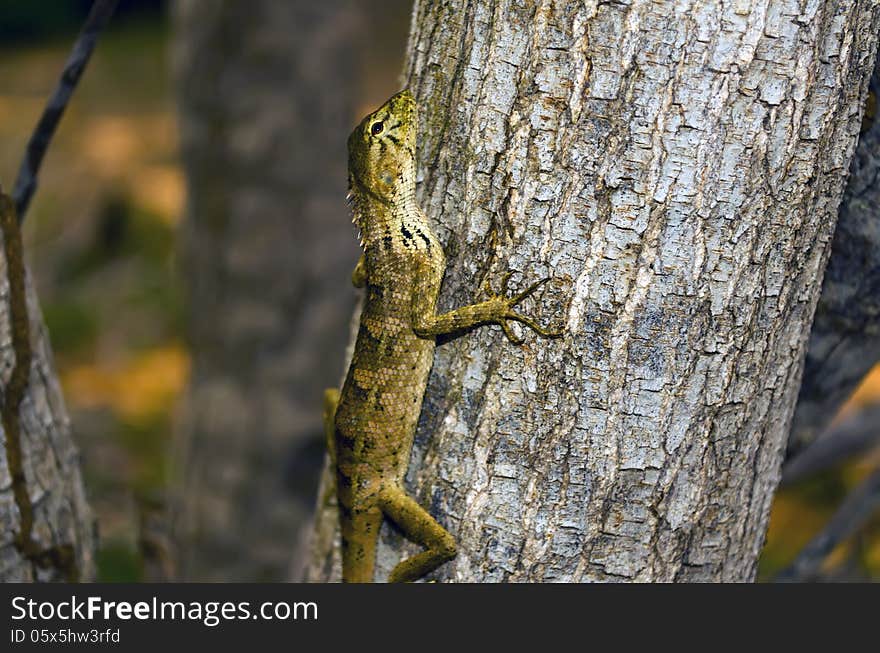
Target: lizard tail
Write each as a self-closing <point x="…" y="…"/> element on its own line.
<point x="359" y="526"/>
<point x="360" y="533"/>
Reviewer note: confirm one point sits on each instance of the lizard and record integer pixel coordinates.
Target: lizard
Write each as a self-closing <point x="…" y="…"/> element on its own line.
<point x="371" y="422"/>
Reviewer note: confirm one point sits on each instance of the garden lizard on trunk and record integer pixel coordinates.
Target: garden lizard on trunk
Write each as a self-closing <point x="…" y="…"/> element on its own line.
<point x="370" y="424"/>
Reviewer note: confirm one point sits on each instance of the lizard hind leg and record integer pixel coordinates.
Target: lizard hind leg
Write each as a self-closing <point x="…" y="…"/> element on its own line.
<point x="418" y="526"/>
<point x="331" y="403"/>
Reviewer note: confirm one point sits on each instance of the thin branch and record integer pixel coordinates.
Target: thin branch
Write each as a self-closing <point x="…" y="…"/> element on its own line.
<point x="856" y="509"/>
<point x="853" y="436"/>
<point x="26" y="183"/>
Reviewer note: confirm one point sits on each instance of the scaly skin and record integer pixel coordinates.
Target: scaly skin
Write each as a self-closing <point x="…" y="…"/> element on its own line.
<point x="371" y="423"/>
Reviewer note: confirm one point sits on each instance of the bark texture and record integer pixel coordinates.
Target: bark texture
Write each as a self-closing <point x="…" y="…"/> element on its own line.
<point x="677" y="168"/>
<point x="265" y="92"/>
<point x="63" y="528"/>
<point x="845" y="340"/>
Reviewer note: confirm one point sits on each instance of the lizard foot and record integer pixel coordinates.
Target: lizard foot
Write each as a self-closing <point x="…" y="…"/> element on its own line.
<point x="508" y="315"/>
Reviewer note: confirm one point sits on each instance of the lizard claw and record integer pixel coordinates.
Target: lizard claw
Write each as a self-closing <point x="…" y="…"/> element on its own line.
<point x="511" y="336"/>
<point x="512" y="316"/>
<point x="516" y="317"/>
<point x="487" y="286"/>
<point x="505" y="280"/>
<point x="513" y="301"/>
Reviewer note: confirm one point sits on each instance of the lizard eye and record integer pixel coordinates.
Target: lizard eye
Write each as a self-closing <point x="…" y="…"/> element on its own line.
<point x="376" y="128"/>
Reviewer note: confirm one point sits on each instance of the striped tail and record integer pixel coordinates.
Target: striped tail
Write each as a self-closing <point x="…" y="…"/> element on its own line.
<point x="360" y="533"/>
<point x="360" y="528"/>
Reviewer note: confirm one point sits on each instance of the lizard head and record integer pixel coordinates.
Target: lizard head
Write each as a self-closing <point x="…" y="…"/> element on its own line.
<point x="381" y="150"/>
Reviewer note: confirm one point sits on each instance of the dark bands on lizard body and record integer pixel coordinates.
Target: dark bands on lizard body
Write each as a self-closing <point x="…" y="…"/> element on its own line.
<point x="371" y="422"/>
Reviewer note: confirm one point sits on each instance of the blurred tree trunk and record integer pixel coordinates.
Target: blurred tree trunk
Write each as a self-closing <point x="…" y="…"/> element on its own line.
<point x="265" y="94"/>
<point x="47" y="532"/>
<point x="677" y="170"/>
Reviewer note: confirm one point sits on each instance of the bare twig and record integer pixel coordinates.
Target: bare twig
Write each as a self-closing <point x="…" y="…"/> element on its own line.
<point x="856" y="509"/>
<point x="26" y="183"/>
<point x="853" y="436"/>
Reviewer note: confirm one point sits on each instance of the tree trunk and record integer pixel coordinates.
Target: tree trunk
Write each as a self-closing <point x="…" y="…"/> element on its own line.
<point x="263" y="134"/>
<point x="47" y="532"/>
<point x="677" y="170"/>
<point x="845" y="339"/>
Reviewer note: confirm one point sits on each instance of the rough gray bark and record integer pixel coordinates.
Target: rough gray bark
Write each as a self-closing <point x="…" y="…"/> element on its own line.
<point x="263" y="136"/>
<point x="845" y="339"/>
<point x="677" y="170"/>
<point x="63" y="525"/>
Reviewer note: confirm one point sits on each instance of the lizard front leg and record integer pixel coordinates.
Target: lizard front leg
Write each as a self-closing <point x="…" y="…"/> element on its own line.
<point x="359" y="274"/>
<point x="331" y="402"/>
<point x="497" y="309"/>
